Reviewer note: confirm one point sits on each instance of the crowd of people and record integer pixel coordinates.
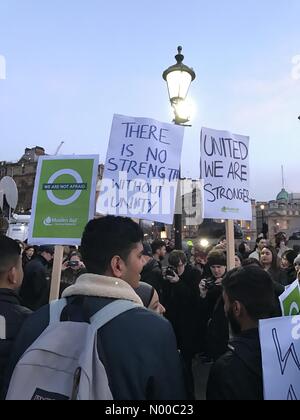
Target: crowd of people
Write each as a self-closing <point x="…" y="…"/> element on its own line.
<point x="195" y="308"/>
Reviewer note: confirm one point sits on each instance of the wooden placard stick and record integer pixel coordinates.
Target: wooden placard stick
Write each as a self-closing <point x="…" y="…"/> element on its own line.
<point x="230" y="244"/>
<point x="56" y="272"/>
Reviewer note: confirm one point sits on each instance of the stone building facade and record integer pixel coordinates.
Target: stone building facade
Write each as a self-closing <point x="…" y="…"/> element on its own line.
<point x="280" y="215"/>
<point x="23" y="172"/>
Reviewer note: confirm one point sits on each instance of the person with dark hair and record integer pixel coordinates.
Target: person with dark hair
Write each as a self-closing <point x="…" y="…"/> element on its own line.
<point x="222" y="243"/>
<point x="72" y="268"/>
<point x="210" y="289"/>
<point x="251" y="261"/>
<point x="287" y="263"/>
<point x="36" y="285"/>
<point x="159" y="251"/>
<point x="260" y="243"/>
<point x="181" y="293"/>
<point x="27" y="255"/>
<point x="244" y="250"/>
<point x="281" y="241"/>
<point x="152" y="272"/>
<point x="238" y="259"/>
<point x="199" y="261"/>
<point x="217" y="332"/>
<point x="248" y="295"/>
<point x="138" y="347"/>
<point x="271" y="263"/>
<point x="12" y="313"/>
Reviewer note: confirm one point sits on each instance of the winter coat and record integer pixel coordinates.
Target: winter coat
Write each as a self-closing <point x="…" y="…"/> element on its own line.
<point x="152" y="274"/>
<point x="217" y="331"/>
<point x="182" y="310"/>
<point x="36" y="284"/>
<point x="237" y="375"/>
<point x="12" y="316"/>
<point x="137" y="348"/>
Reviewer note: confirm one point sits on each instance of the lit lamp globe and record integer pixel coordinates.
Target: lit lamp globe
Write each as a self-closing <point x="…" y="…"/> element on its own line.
<point x="204" y="243"/>
<point x="179" y="78"/>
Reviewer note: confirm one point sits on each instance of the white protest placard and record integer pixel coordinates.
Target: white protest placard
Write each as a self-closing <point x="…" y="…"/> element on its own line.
<point x="224" y="167"/>
<point x="290" y="300"/>
<point x="280" y="347"/>
<point x="142" y="169"/>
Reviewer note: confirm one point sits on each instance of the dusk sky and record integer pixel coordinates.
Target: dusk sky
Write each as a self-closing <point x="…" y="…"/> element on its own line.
<point x="72" y="64"/>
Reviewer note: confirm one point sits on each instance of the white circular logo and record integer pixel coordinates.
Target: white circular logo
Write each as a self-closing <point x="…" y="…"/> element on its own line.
<point x="294" y="307"/>
<point x="74" y="197"/>
<point x="47" y="221"/>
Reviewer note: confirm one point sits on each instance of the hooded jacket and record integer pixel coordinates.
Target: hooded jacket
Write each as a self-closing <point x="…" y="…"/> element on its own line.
<point x="237" y="375"/>
<point x="36" y="284"/>
<point x="137" y="348"/>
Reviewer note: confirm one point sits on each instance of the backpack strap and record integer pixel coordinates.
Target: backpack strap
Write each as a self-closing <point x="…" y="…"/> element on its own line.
<point x="111" y="311"/>
<point x="55" y="309"/>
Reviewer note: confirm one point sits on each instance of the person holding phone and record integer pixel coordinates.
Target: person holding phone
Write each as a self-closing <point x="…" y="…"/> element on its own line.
<point x="182" y="310"/>
<point x="72" y="268"/>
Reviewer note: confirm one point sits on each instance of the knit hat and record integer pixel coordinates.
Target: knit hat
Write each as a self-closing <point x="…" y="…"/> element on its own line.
<point x="47" y="248"/>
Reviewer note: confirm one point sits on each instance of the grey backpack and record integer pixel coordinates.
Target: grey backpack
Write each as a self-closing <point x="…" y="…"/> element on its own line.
<point x="63" y="362"/>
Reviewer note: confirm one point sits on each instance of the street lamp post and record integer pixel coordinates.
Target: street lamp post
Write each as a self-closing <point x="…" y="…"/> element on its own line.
<point x="179" y="78"/>
<point x="262" y="208"/>
<point x="264" y="229"/>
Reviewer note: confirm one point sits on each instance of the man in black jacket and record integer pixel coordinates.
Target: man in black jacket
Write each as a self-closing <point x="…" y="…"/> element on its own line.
<point x="152" y="272"/>
<point x="249" y="296"/>
<point x="36" y="285"/>
<point x="138" y="347"/>
<point x="182" y="309"/>
<point x="12" y="314"/>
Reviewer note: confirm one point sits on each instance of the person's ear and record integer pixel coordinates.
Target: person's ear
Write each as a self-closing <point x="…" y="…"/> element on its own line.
<point x="12" y="276"/>
<point x="237" y="308"/>
<point x="117" y="266"/>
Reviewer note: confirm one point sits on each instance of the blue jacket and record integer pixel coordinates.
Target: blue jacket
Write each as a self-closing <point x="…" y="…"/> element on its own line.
<point x="137" y="348"/>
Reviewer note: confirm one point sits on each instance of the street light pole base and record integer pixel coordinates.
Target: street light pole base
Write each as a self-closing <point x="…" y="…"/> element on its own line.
<point x="178" y="230"/>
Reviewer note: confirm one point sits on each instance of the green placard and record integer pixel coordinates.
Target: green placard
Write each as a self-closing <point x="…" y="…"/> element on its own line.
<point x="63" y="200"/>
<point x="290" y="300"/>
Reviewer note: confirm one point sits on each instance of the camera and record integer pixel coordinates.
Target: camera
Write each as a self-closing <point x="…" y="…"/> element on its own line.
<point x="73" y="263"/>
<point x="171" y="271"/>
<point x="209" y="284"/>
